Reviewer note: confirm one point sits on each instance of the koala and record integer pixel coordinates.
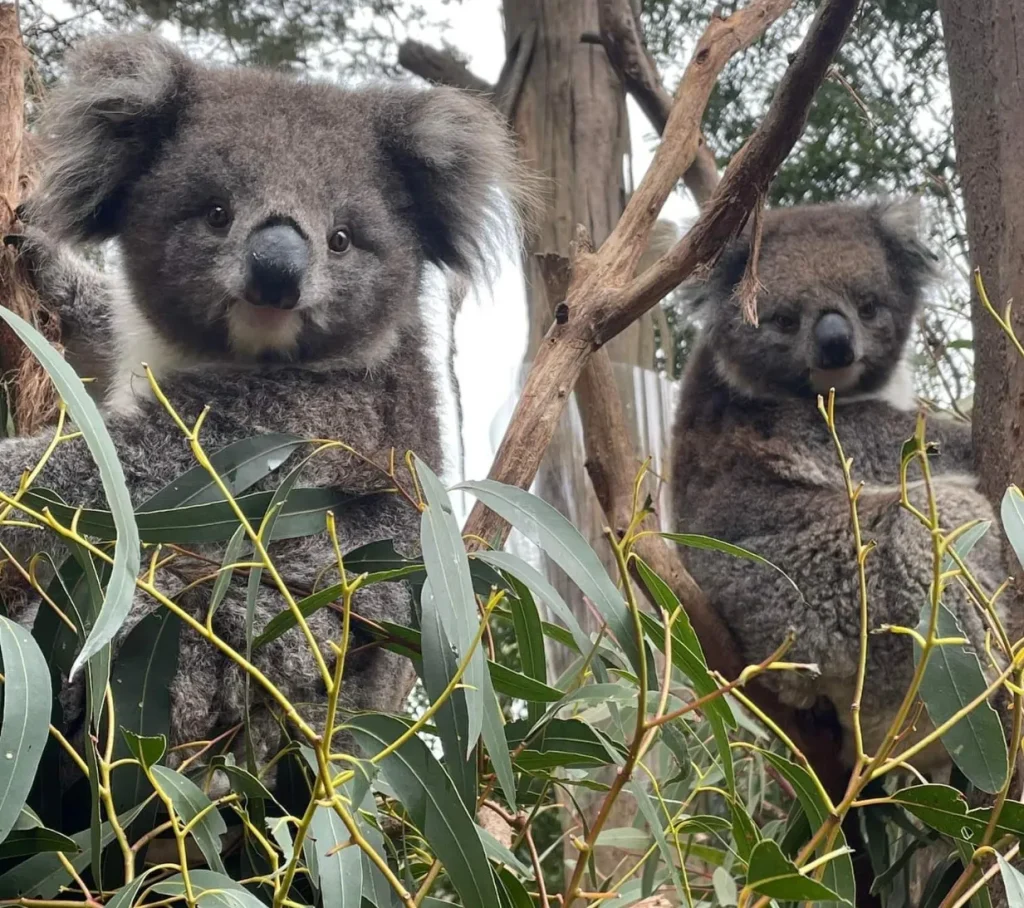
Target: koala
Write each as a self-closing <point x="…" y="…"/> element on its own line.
<point x="272" y="235"/>
<point x="754" y="463"/>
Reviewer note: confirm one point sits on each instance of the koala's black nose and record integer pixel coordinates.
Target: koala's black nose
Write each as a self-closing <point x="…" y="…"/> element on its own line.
<point x="833" y="337"/>
<point x="276" y="259"/>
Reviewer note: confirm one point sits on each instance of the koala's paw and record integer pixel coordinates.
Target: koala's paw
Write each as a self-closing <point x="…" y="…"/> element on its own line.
<point x="42" y="256"/>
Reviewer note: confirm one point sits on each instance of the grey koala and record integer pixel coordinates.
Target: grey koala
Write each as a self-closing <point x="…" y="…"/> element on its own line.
<point x="754" y="463"/>
<point x="272" y="235"/>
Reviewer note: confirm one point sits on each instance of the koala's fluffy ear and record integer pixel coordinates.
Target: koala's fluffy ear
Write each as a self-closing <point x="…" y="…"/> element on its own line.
<point x="899" y="224"/>
<point x="457" y="159"/>
<point x="102" y="128"/>
<point x="719" y="285"/>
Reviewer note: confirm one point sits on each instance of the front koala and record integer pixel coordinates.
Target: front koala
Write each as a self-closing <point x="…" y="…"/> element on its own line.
<point x="755" y="465"/>
<point x="272" y="235"/>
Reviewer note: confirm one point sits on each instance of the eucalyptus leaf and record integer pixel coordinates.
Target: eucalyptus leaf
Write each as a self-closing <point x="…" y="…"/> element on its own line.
<point x="771" y="873"/>
<point x="428" y="796"/>
<point x="188" y="800"/>
<point x="26" y="725"/>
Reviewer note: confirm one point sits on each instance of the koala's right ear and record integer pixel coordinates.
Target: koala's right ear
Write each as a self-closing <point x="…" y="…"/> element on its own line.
<point x="103" y="128"/>
<point x="718" y="286"/>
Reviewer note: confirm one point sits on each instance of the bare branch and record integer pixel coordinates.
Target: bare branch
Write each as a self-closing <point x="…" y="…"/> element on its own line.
<point x="440" y="67"/>
<point x="630" y="58"/>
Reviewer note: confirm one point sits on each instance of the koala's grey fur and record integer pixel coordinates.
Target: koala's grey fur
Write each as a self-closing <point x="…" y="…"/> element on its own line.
<point x="755" y="465"/>
<point x="141" y="141"/>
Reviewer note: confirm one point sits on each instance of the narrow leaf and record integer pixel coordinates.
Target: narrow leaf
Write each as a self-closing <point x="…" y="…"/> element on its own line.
<point x="188" y="800"/>
<point x="27" y="696"/>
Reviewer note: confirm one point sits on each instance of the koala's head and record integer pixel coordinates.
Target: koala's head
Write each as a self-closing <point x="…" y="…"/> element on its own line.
<point x="263" y="217"/>
<point x="841" y="287"/>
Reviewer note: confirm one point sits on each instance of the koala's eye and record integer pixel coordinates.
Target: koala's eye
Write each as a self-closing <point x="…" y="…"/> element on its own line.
<point x="786" y="322"/>
<point x="340" y="240"/>
<point x="218" y="216"/>
<point x="867" y="310"/>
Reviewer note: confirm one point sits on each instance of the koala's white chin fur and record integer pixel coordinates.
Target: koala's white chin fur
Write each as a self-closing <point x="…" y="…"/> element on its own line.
<point x="823" y="380"/>
<point x="253" y="330"/>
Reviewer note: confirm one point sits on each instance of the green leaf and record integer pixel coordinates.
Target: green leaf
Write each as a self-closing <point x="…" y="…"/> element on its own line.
<point x="771" y="873"/>
<point x="232" y="555"/>
<point x="561" y="742"/>
<point x="562" y="542"/>
<point x="1012" y="513"/>
<point x="125" y="896"/>
<point x="341" y="873"/>
<point x="240" y="465"/>
<point x="656" y="823"/>
<point x="1013" y="881"/>
<point x="84" y="412"/>
<point x="437" y="667"/>
<point x="145" y="749"/>
<point x="541" y="587"/>
<point x="494" y="740"/>
<point x="140" y="682"/>
<point x="188" y="800"/>
<point x="696" y="541"/>
<point x="444" y="555"/>
<point x="42" y="875"/>
<point x="530" y="638"/>
<point x="27" y="696"/>
<point x="838" y="873"/>
<point x="687" y="654"/>
<point x="944" y="808"/>
<point x="745" y="833"/>
<point x="242" y="781"/>
<point x="23" y="842"/>
<point x="212" y="890"/>
<point x="953" y="678"/>
<point x="426" y="792"/>
<point x="302" y="515"/>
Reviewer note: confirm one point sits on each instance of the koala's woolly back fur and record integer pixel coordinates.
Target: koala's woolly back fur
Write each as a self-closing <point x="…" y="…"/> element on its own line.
<point x="754" y="463"/>
<point x="142" y="144"/>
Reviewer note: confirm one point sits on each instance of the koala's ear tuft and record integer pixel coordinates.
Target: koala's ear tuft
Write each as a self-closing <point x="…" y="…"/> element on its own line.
<point x="899" y="225"/>
<point x="102" y="129"/>
<point x="469" y="196"/>
<point x="719" y="285"/>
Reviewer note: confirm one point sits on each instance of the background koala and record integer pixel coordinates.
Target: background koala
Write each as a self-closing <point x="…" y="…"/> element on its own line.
<point x="754" y="463"/>
<point x="272" y="234"/>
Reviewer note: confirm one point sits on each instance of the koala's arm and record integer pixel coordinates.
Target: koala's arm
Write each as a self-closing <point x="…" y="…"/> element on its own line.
<point x="874" y="432"/>
<point x="74" y="289"/>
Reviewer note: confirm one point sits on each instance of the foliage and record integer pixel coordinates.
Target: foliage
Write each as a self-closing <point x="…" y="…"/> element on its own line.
<point x="727" y="810"/>
<point x="360" y="35"/>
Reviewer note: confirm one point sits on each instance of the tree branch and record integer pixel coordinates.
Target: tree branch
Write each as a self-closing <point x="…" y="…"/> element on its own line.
<point x="440" y="66"/>
<point x="596" y="291"/>
<point x="624" y="45"/>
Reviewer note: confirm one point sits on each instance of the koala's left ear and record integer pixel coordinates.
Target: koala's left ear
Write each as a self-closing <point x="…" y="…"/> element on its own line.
<point x="457" y="160"/>
<point x="102" y="128"/>
<point x="899" y="224"/>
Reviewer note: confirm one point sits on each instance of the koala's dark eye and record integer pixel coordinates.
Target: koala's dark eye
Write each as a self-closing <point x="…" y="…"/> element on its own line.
<point x="218" y="216"/>
<point x="340" y="240"/>
<point x="786" y="322"/>
<point x="867" y="310"/>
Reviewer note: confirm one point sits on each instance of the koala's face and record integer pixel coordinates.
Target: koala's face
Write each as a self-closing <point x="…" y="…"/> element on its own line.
<point x="841" y="287"/>
<point x="262" y="217"/>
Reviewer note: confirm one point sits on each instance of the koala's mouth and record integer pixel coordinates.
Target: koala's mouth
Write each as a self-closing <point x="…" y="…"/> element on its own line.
<point x="845" y="379"/>
<point x="255" y="331"/>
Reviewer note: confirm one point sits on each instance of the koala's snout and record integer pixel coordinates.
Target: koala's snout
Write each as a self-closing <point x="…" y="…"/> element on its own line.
<point x="834" y="341"/>
<point x="276" y="259"/>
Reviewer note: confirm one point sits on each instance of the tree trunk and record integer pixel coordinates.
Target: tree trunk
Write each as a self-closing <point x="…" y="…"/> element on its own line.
<point x="27" y="391"/>
<point x="572" y="126"/>
<point x="985" y="49"/>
